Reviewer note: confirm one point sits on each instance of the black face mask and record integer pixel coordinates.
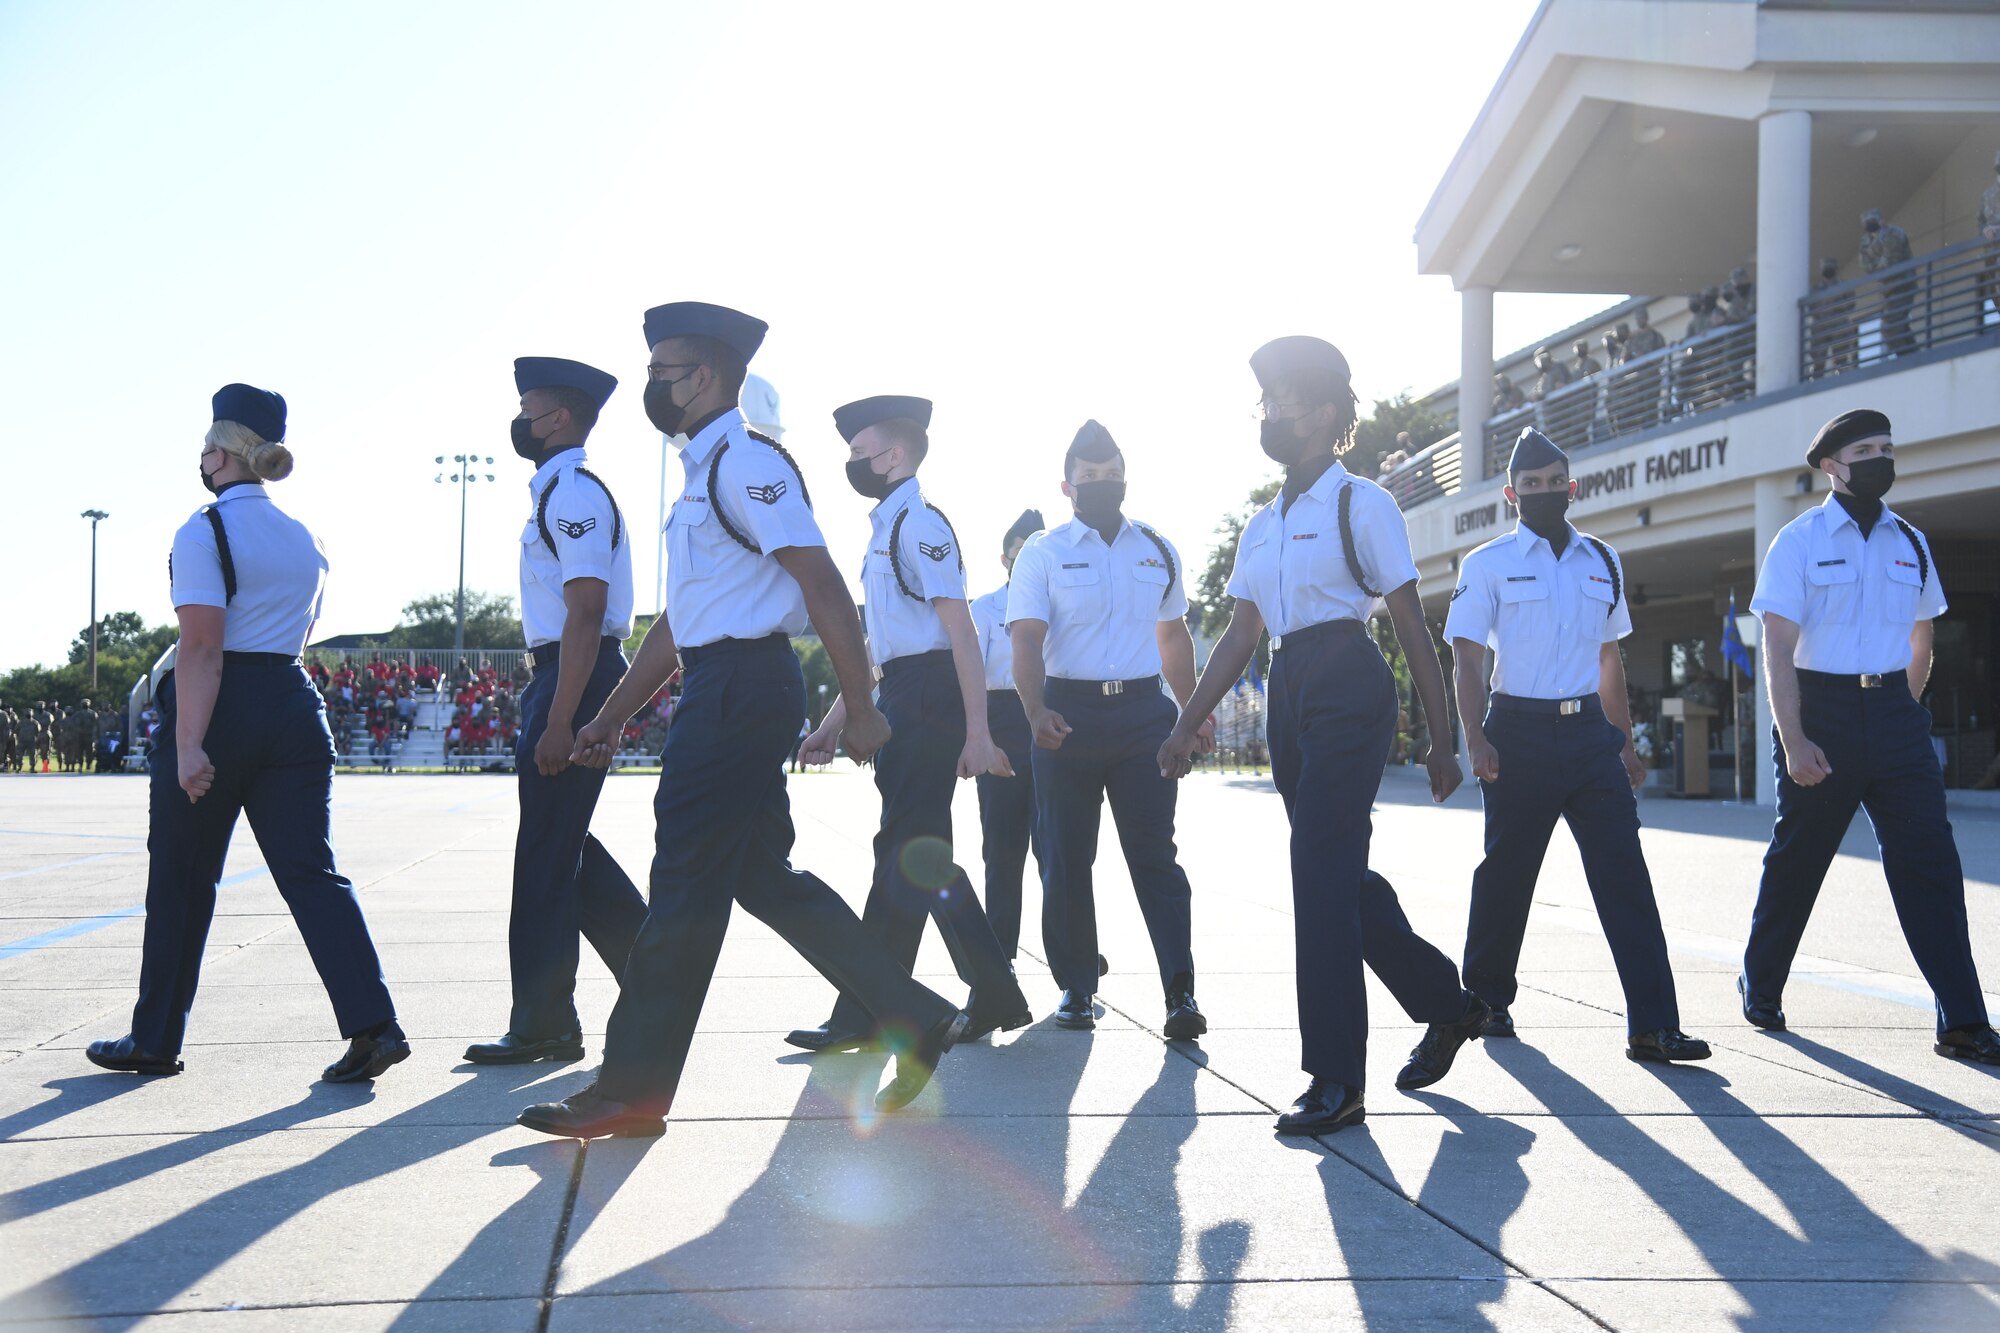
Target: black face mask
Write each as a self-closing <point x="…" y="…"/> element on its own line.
<point x="1281" y="443"/>
<point x="1098" y="503"/>
<point x="1542" y="514"/>
<point x="866" y="481"/>
<point x="666" y="415"/>
<point x="522" y="429"/>
<point x="208" y="478"/>
<point x="1870" y="479"/>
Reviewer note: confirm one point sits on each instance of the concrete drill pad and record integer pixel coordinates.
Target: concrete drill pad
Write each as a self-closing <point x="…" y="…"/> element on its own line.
<point x="1944" y="1303"/>
<point x="1709" y="1003"/>
<point x="1894" y="1062"/>
<point x="37" y="1017"/>
<point x="1336" y="1306"/>
<point x="818" y="1202"/>
<point x="1785" y="1198"/>
<point x="146" y="1222"/>
<point x="467" y="1316"/>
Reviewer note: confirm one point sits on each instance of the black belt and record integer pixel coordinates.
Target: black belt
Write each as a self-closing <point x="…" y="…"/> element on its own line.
<point x="1866" y="681"/>
<point x="1513" y="703"/>
<point x="1064" y="685"/>
<point x="896" y="666"/>
<point x="701" y="652"/>
<point x="261" y="659"/>
<point x="548" y="654"/>
<point x="1326" y="629"/>
<point x="994" y="696"/>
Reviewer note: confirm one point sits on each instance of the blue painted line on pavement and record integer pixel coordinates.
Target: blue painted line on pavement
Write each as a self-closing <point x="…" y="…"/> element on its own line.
<point x="64" y="865"/>
<point x="90" y="923"/>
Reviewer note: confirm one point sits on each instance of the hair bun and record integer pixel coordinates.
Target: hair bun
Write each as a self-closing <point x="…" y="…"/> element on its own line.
<point x="270" y="461"/>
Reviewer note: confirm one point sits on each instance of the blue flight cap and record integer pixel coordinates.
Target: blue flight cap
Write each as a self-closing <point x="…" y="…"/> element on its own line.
<point x="259" y="409"/>
<point x="742" y="333"/>
<point x="1093" y="444"/>
<point x="1027" y="525"/>
<point x="1534" y="450"/>
<point x="856" y="417"/>
<point x="1300" y="354"/>
<point x="553" y="372"/>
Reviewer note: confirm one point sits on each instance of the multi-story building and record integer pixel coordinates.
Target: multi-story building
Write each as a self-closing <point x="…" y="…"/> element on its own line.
<point x="1656" y="146"/>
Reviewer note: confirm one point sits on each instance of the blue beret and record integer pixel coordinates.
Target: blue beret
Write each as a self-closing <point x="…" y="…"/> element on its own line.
<point x="259" y="409"/>
<point x="856" y="417"/>
<point x="1534" y="450"/>
<point x="552" y="372"/>
<point x="698" y="319"/>
<point x="1027" y="525"/>
<point x="1300" y="354"/>
<point x="1860" y="424"/>
<point x="1093" y="444"/>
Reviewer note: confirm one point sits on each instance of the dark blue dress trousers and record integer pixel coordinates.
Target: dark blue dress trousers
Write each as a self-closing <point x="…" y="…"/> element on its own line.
<point x="1007" y="818"/>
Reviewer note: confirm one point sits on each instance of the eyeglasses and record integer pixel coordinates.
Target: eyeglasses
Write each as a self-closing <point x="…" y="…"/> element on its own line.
<point x="1267" y="408"/>
<point x="656" y="372"/>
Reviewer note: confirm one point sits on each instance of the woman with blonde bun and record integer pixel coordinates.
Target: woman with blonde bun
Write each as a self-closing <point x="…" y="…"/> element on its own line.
<point x="243" y="730"/>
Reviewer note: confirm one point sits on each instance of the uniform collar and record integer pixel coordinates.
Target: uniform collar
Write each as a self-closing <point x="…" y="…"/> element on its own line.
<point x="553" y="464"/>
<point x="1525" y="539"/>
<point x="905" y="493"/>
<point x="1833" y="513"/>
<point x="1323" y="487"/>
<point x="704" y="440"/>
<point x="237" y="490"/>
<point x="1072" y="531"/>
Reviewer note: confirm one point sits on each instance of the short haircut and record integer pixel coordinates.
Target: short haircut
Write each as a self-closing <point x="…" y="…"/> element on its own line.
<point x="727" y="363"/>
<point x="582" y="406"/>
<point x="916" y="441"/>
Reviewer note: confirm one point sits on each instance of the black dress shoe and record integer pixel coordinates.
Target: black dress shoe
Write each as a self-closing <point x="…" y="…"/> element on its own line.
<point x="588" y="1115"/>
<point x="1184" y="1020"/>
<point x="1077" y="1011"/>
<point x="1664" y="1047"/>
<point x="368" y="1056"/>
<point x="1103" y="966"/>
<point x="1975" y="1042"/>
<point x="1499" y="1022"/>
<point x="915" y="1066"/>
<point x="1432" y="1059"/>
<point x="127" y="1058"/>
<point x="1761" y="1010"/>
<point x="1323" y="1108"/>
<point x="826" y="1037"/>
<point x="1003" y="1015"/>
<point x="514" y="1049"/>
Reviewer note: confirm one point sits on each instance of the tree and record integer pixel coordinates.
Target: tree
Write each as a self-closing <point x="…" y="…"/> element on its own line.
<point x="818" y="668"/>
<point x="124" y="634"/>
<point x="1376" y="435"/>
<point x="430" y="622"/>
<point x="1210" y="592"/>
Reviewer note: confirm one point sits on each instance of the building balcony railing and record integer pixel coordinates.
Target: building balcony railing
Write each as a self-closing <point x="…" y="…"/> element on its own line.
<point x="1430" y="472"/>
<point x="1676" y="382"/>
<point x="1912" y="307"/>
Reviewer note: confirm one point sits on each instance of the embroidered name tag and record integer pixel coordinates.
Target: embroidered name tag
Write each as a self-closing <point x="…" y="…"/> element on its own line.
<point x="1520" y="578"/>
<point x="1305" y="536"/>
<point x="1824" y="563"/>
<point x="695" y="499"/>
<point x="1081" y="564"/>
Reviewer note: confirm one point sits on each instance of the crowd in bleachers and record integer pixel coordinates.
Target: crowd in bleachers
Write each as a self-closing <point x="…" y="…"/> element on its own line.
<point x="485" y="713"/>
<point x="371" y="704"/>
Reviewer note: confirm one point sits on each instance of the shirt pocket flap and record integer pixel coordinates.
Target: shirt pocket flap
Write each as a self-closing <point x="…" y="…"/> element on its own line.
<point x="1597" y="589"/>
<point x="1153" y="574"/>
<point x="688" y="513"/>
<point x="1523" y="590"/>
<point x="531" y="534"/>
<point x="1824" y="573"/>
<point x="1905" y="571"/>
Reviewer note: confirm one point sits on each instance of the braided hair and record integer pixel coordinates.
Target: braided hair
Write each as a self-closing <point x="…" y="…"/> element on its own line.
<point x="896" y="541"/>
<point x="1166" y="554"/>
<point x="1611" y="568"/>
<point x="715" y="469"/>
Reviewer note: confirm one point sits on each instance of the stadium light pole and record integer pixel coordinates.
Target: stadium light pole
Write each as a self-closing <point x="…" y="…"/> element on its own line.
<point x="94" y="515"/>
<point x="463" y="479"/>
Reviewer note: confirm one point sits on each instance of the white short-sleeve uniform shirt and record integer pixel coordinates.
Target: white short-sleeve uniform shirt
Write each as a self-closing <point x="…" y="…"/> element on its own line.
<point x="583" y="522"/>
<point x="1102" y="603"/>
<point x="280" y="570"/>
<point x="1855" y="599"/>
<point x="1546" y="618"/>
<point x="926" y="552"/>
<point x="1290" y="563"/>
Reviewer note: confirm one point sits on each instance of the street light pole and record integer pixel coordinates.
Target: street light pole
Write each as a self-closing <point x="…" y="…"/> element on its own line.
<point x="94" y="515"/>
<point x="463" y="479"/>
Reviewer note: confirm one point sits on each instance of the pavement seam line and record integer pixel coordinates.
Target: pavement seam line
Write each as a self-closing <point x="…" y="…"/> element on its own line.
<point x="561" y="1243"/>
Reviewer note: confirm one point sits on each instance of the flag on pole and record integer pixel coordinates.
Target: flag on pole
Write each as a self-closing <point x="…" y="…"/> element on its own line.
<point x="1733" y="651"/>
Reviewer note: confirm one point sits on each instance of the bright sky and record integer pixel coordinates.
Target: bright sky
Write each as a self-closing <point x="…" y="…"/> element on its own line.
<point x="1032" y="213"/>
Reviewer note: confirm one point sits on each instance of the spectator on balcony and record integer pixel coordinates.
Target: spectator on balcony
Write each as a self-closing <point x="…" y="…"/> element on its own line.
<point x="1698" y="317"/>
<point x="1739" y="301"/>
<point x="1506" y="394"/>
<point x="1885" y="245"/>
<point x="1614" y="345"/>
<point x="1582" y="364"/>
<point x="1989" y="230"/>
<point x="1830" y="325"/>
<point x="1644" y="340"/>
<point x="1550" y="377"/>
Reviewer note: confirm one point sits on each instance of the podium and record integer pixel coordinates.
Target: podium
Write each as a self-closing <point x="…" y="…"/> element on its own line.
<point x="1691" y="723"/>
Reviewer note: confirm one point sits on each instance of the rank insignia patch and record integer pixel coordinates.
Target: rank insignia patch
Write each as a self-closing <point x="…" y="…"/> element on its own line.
<point x="574" y="530"/>
<point x="766" y="495"/>
<point x="935" y="552"/>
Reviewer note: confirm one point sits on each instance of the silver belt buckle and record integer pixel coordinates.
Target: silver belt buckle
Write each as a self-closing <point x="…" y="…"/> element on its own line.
<point x="875" y="673"/>
<point x="1568" y="707"/>
<point x="1871" y="682"/>
<point x="1277" y="642"/>
<point x="1111" y="686"/>
<point x="529" y="658"/>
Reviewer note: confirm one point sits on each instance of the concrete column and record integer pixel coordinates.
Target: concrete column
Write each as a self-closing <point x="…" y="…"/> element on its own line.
<point x="1475" y="378"/>
<point x="1784" y="243"/>
<point x="1772" y="513"/>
